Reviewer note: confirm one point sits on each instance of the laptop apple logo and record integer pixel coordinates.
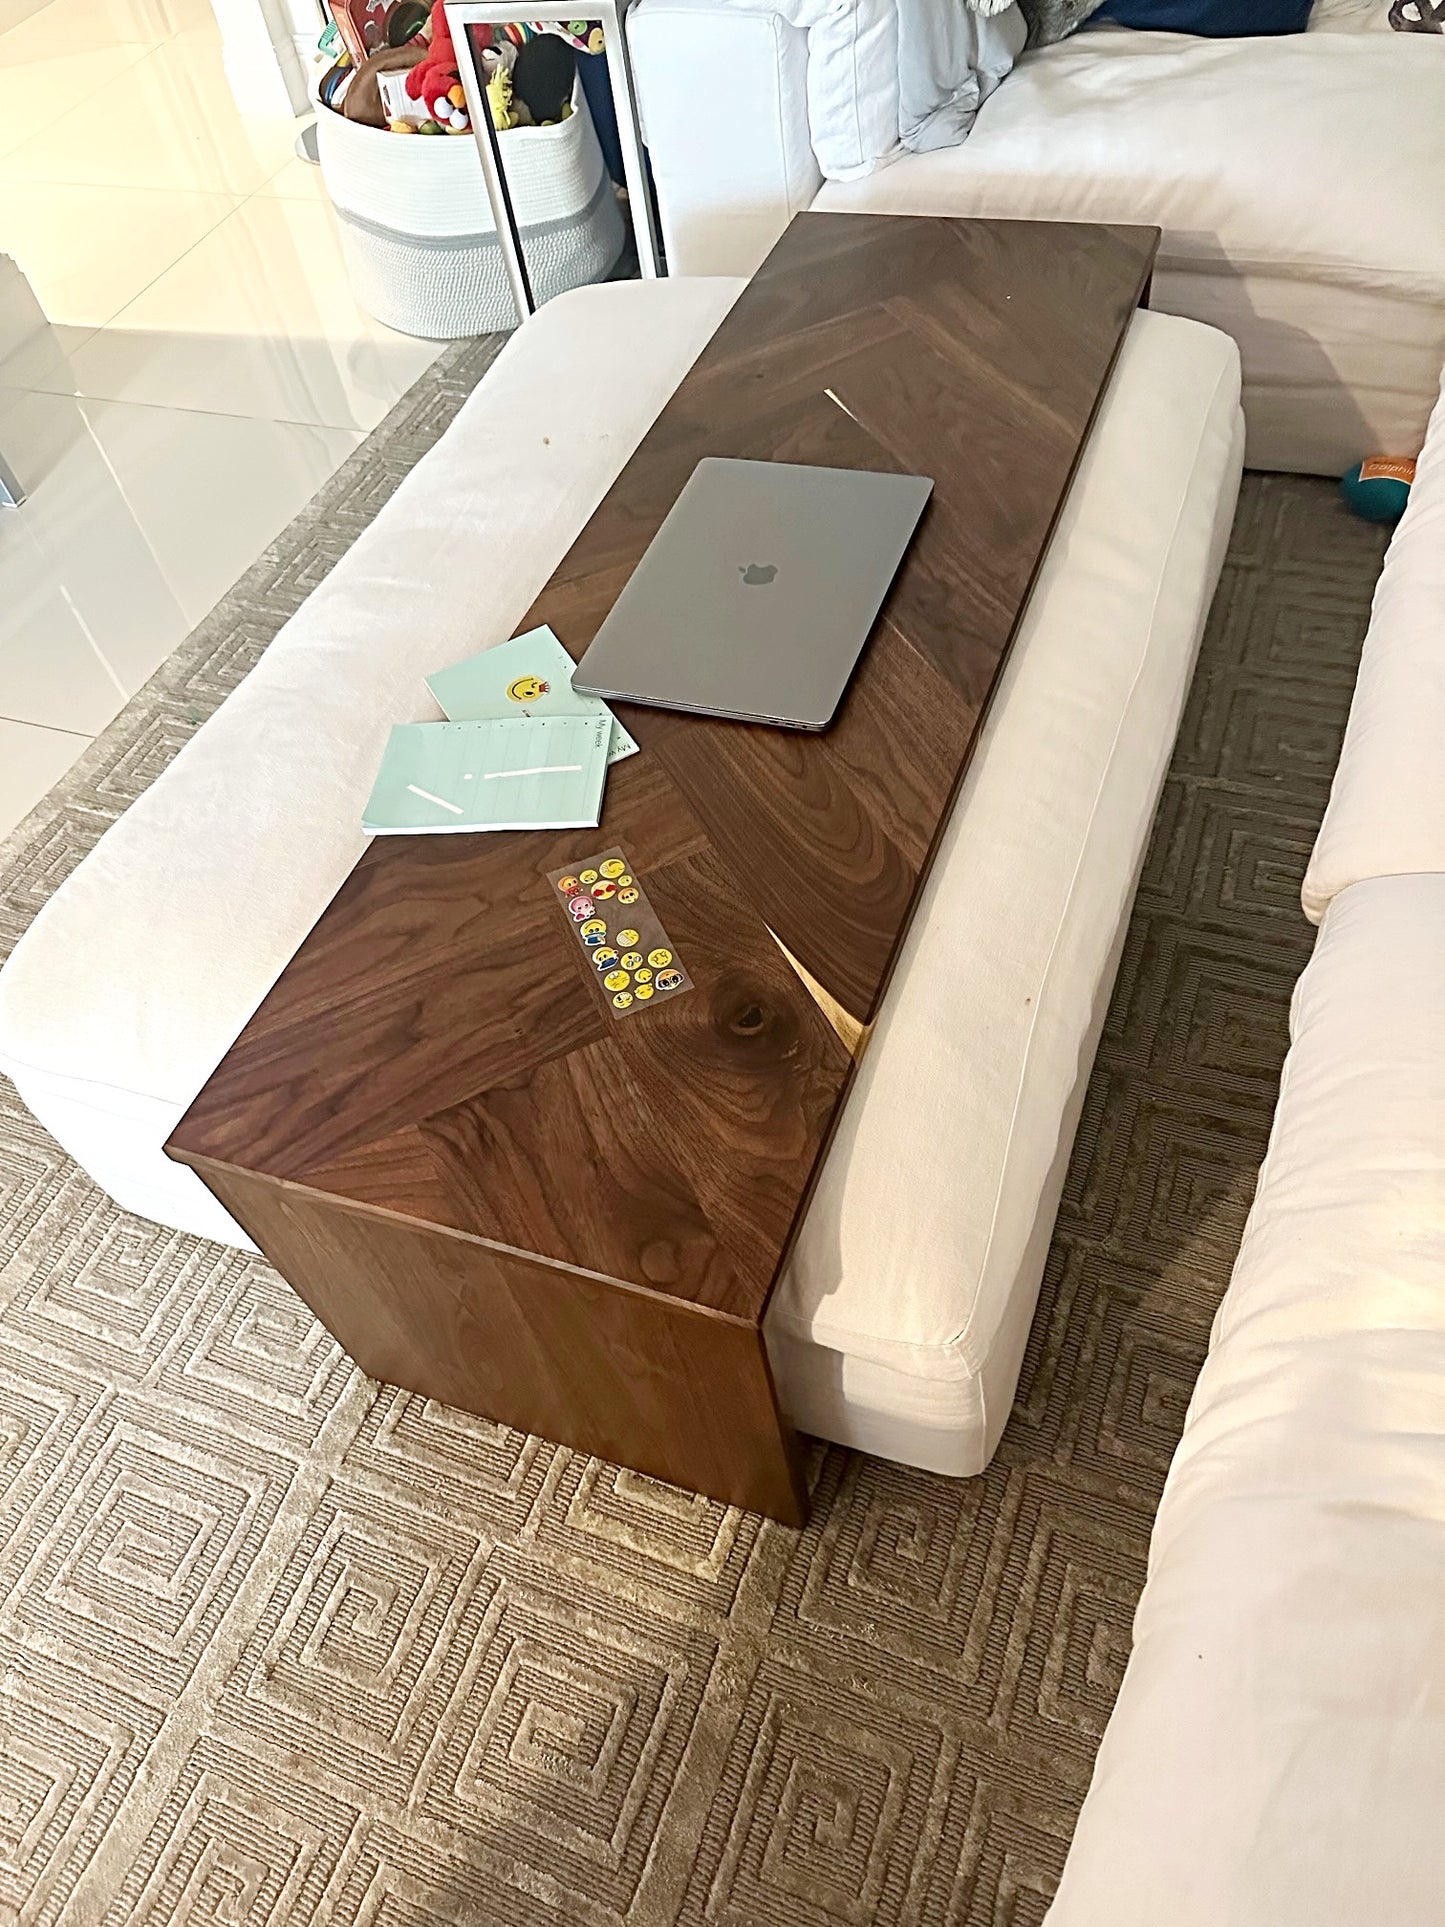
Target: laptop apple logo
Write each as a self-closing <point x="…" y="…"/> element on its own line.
<point x="758" y="574"/>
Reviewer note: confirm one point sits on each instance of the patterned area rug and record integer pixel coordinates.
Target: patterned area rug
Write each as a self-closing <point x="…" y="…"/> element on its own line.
<point x="279" y="1646"/>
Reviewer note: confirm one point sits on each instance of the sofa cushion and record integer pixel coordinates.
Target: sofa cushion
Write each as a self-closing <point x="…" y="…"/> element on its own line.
<point x="1278" y="1746"/>
<point x="1387" y="807"/>
<point x="1336" y="297"/>
<point x="900" y="1323"/>
<point x="1111" y="127"/>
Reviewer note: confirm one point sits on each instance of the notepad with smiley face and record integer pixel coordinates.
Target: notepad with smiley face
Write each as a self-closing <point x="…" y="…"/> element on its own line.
<point x="529" y="676"/>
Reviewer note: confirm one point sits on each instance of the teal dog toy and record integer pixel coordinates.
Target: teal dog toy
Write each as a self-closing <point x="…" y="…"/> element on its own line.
<point x="1379" y="488"/>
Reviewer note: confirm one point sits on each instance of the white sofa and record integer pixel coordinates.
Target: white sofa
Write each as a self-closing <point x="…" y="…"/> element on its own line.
<point x="1296" y="180"/>
<point x="900" y="1326"/>
<point x="1276" y="1757"/>
<point x="1386" y="815"/>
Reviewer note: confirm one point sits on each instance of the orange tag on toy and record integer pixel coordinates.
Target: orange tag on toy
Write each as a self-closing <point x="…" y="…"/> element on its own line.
<point x="1391" y="468"/>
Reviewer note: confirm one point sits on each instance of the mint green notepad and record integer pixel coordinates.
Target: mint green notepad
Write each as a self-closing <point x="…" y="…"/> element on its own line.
<point x="529" y="676"/>
<point x="520" y="773"/>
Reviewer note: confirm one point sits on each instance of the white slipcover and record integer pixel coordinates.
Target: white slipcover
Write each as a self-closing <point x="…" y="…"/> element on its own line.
<point x="722" y="93"/>
<point x="901" y="1323"/>
<point x="1293" y="176"/>
<point x="1277" y="1752"/>
<point x="1387" y="807"/>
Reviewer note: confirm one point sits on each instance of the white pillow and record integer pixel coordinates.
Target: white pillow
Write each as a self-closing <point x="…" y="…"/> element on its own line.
<point x="852" y="81"/>
<point x="885" y="75"/>
<point x="950" y="59"/>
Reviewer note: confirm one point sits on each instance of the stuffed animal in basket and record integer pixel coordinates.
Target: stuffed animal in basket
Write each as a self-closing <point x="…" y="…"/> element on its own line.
<point x="364" y="99"/>
<point x="436" y="80"/>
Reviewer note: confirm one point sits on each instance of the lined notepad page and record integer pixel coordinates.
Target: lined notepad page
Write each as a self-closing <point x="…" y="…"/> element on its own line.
<point x="520" y="773"/>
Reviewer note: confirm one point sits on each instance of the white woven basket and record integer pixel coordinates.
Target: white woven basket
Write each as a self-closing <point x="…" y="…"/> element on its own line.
<point x="417" y="230"/>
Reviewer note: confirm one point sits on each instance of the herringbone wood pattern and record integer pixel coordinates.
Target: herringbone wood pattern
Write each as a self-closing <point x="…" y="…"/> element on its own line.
<point x="278" y="1645"/>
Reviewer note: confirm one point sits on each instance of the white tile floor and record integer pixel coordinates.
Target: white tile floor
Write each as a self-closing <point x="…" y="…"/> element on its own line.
<point x="181" y="361"/>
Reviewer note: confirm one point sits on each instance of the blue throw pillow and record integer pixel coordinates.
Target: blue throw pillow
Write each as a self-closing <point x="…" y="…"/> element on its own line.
<point x="1222" y="19"/>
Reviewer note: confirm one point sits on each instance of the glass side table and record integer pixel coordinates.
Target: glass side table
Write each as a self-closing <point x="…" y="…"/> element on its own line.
<point x="462" y="14"/>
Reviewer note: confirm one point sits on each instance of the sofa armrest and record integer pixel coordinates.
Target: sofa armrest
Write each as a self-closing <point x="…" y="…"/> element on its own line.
<point x="722" y="95"/>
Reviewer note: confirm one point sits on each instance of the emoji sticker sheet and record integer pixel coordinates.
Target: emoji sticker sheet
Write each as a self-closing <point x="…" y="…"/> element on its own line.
<point x="626" y="949"/>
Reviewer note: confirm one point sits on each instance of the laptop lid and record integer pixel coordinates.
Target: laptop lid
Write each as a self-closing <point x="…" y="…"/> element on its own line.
<point x="757" y="594"/>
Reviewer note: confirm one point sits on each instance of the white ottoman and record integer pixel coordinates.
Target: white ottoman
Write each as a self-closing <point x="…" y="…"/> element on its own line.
<point x="901" y="1322"/>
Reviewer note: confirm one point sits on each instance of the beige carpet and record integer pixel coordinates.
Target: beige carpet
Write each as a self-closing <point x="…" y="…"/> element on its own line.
<point x="279" y="1646"/>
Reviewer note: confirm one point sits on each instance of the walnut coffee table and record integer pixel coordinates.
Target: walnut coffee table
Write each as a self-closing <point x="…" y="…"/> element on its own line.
<point x="494" y="1188"/>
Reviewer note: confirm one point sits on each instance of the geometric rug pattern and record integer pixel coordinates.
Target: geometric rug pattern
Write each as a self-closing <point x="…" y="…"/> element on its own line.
<point x="282" y="1647"/>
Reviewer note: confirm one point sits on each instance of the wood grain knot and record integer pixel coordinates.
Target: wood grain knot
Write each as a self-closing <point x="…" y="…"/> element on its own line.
<point x="746" y="1015"/>
<point x="660" y="1262"/>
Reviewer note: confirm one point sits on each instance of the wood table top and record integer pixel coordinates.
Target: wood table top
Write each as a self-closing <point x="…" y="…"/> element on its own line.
<point x="438" y="1050"/>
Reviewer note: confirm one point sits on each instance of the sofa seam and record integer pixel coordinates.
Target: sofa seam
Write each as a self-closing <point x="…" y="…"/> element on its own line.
<point x="1339" y="270"/>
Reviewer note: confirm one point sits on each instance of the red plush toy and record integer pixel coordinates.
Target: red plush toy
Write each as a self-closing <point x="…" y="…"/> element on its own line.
<point x="436" y="80"/>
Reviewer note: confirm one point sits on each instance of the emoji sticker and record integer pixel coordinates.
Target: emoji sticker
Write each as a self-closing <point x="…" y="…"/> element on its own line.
<point x="613" y="867"/>
<point x="589" y="876"/>
<point x="622" y="1000"/>
<point x="657" y="958"/>
<point x="569" y="886"/>
<point x="594" y="927"/>
<point x="628" y="896"/>
<point x="624" y="882"/>
<point x="644" y="991"/>
<point x="631" y="959"/>
<point x="604" y="959"/>
<point x="603" y="890"/>
<point x="644" y="976"/>
<point x="669" y="980"/>
<point x="581" y="908"/>
<point x="626" y="939"/>
<point x="528" y="689"/>
<point x="616" y="980"/>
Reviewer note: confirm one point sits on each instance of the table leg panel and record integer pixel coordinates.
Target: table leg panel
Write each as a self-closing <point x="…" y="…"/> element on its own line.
<point x="645" y="1380"/>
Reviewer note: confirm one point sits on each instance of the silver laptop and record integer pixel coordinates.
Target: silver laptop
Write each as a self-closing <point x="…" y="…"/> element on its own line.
<point x="757" y="594"/>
